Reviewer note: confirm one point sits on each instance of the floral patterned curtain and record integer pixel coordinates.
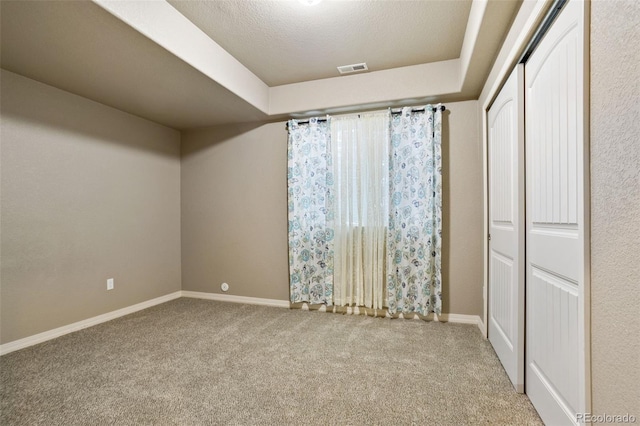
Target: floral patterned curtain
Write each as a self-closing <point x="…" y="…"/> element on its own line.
<point x="415" y="221"/>
<point x="310" y="198"/>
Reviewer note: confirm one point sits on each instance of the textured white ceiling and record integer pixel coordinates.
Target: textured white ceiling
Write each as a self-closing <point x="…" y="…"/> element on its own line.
<point x="80" y="47"/>
<point x="287" y="42"/>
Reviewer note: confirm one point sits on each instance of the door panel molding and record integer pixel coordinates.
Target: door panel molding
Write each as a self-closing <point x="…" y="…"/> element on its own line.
<point x="506" y="227"/>
<point x="557" y="304"/>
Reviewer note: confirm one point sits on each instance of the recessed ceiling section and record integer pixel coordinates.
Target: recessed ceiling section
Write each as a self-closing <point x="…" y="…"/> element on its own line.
<point x="285" y="42"/>
<point x="79" y="47"/>
<point x="190" y="64"/>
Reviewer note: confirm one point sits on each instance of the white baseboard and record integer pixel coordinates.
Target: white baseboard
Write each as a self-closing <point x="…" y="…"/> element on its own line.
<point x="463" y="319"/>
<point x="61" y="331"/>
<point x="236" y="299"/>
<point x="453" y="318"/>
<point x="89" y="322"/>
<point x="355" y="310"/>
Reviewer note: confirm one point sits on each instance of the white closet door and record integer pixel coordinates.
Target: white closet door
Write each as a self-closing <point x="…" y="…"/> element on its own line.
<point x="556" y="221"/>
<point x="506" y="227"/>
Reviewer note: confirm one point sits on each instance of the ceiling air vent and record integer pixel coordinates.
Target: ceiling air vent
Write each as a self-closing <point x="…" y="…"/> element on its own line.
<point x="348" y="69"/>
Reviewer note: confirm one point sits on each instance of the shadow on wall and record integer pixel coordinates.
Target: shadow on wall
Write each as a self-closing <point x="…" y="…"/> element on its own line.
<point x="39" y="105"/>
<point x="206" y="137"/>
<point x="234" y="209"/>
<point x="446" y="212"/>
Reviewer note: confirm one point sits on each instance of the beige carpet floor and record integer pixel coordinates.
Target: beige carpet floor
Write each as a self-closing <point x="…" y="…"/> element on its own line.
<point x="192" y="362"/>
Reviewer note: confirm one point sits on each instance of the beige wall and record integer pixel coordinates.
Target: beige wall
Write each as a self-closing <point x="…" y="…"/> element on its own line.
<point x="234" y="210"/>
<point x="87" y="193"/>
<point x="90" y="193"/>
<point x="615" y="206"/>
<point x="462" y="211"/>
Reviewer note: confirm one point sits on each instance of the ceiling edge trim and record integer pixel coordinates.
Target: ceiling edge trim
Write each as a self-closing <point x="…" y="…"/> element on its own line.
<point x="523" y="27"/>
<point x="402" y="83"/>
<point x="165" y="26"/>
<point x="474" y="24"/>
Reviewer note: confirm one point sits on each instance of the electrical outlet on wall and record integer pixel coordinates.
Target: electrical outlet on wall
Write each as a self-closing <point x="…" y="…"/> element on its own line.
<point x="224" y="287"/>
<point x="110" y="284"/>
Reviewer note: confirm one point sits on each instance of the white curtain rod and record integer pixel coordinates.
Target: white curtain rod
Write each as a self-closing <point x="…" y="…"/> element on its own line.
<point x="320" y="120"/>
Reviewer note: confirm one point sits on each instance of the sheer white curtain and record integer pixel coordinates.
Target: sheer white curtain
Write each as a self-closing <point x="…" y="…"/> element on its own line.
<point x="360" y="146"/>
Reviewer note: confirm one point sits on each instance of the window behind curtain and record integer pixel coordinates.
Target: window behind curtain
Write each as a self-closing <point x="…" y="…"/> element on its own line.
<point x="360" y="148"/>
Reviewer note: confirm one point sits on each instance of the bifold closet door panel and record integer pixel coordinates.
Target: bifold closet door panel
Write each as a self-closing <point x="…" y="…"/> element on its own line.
<point x="555" y="220"/>
<point x="506" y="226"/>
